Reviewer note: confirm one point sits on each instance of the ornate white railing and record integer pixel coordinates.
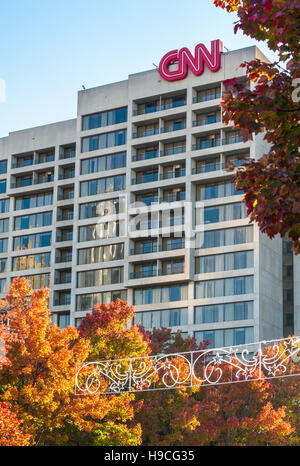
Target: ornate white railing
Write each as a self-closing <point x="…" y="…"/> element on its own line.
<point x="265" y="359"/>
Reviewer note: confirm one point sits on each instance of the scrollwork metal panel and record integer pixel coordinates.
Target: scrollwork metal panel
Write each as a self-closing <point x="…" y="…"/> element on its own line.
<point x="267" y="359"/>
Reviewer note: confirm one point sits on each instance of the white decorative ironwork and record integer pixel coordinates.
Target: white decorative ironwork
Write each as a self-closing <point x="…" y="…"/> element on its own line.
<point x="266" y="359"/>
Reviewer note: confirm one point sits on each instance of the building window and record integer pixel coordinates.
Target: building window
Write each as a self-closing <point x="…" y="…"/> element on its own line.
<point x="111" y="252"/>
<point x="224" y="287"/>
<point x="104" y="163"/>
<point x="226" y="237"/>
<point x="38" y="281"/>
<point x="226" y="337"/>
<point x="101" y="231"/>
<point x="3" y="245"/>
<point x="103" y="185"/>
<point x="103" y="141"/>
<point x="39" y="240"/>
<point x="223" y="312"/>
<point x="86" y="302"/>
<point x="3" y="287"/>
<point x="63" y="320"/>
<point x="4" y="206"/>
<point x="32" y="261"/>
<point x="224" y="213"/>
<point x="216" y="190"/>
<point x="162" y="318"/>
<point x="164" y="294"/>
<point x="33" y="221"/>
<point x="3" y="265"/>
<point x="98" y="120"/>
<point x="3" y="167"/>
<point x="3" y="187"/>
<point x="30" y="202"/>
<point x="4" y="225"/>
<point x="100" y="277"/>
<point x="101" y="208"/>
<point x="221" y="262"/>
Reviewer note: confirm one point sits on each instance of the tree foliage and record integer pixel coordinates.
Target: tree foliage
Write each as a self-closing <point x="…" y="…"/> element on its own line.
<point x="271" y="106"/>
<point x="250" y="413"/>
<point x="38" y="380"/>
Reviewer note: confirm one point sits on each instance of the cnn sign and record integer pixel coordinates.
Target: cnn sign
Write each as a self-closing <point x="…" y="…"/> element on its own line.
<point x="185" y="61"/>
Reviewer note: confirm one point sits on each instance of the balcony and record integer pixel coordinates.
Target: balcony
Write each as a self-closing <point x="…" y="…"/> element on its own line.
<point x="173" y="174"/>
<point x="207" y="121"/>
<point x="173" y="151"/>
<point x="216" y="94"/>
<point x="174" y="127"/>
<point x="65" y="258"/>
<point x="67" y="236"/>
<point x="147" y="178"/>
<point x="149" y="200"/>
<point x="144" y="133"/>
<point x="62" y="302"/>
<point x="154" y="272"/>
<point x="174" y="197"/>
<point x="156" y="107"/>
<point x="232" y="140"/>
<point x="65" y="216"/>
<point x="67" y="155"/>
<point x="148" y="248"/>
<point x="63" y="280"/>
<point x="206" y="144"/>
<point x="31" y="182"/>
<point x="67" y="175"/>
<point x="145" y="155"/>
<point x="208" y="167"/>
<point x="171" y="269"/>
<point x="65" y="196"/>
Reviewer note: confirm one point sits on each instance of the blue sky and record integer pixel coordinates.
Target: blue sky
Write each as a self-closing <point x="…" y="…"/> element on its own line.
<point x="49" y="48"/>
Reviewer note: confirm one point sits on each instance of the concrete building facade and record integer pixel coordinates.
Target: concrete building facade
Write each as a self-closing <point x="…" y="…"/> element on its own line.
<point x="132" y="200"/>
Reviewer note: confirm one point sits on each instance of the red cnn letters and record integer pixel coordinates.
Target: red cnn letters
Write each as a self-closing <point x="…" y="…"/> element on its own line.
<point x="186" y="60"/>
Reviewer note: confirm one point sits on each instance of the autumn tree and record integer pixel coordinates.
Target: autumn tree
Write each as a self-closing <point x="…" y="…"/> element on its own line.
<point x="246" y="413"/>
<point x="271" y="105"/>
<point x="168" y="416"/>
<point x="38" y="381"/>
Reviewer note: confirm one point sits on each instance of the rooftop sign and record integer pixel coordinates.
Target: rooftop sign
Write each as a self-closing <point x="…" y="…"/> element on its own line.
<point x="185" y="60"/>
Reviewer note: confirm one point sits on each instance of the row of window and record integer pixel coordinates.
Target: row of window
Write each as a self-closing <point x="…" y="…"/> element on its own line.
<point x="37" y="200"/>
<point x="222" y="262"/>
<point x="35" y="281"/>
<point x="162" y="294"/>
<point x="104" y="163"/>
<point x="103" y="141"/>
<point x="223" y="312"/>
<point x="223" y="213"/>
<point x="225" y="237"/>
<point x="101" y="208"/>
<point x="38" y="240"/>
<point x="224" y="287"/>
<point x="102" y="185"/>
<point x="162" y="318"/>
<point x="202" y="315"/>
<point x="33" y="221"/>
<point x="216" y="190"/>
<point x="86" y="302"/>
<point x="226" y="337"/>
<point x="98" y="120"/>
<point x="32" y="261"/>
<point x="100" y="277"/>
<point x="204" y="289"/>
<point x="97" y="254"/>
<point x="101" y="231"/>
